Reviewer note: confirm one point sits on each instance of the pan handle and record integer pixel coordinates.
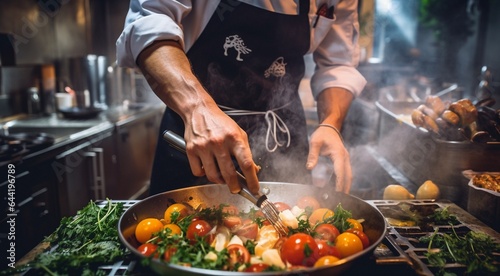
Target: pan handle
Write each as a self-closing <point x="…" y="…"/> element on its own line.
<point x="179" y="144"/>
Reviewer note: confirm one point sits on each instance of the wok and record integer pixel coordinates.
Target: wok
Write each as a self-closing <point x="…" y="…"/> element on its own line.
<point x="214" y="194"/>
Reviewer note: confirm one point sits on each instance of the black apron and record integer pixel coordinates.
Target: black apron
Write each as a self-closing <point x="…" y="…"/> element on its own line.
<point x="251" y="62"/>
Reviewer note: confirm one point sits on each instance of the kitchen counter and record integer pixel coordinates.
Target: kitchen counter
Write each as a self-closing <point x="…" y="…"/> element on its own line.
<point x="69" y="131"/>
<point x="109" y="156"/>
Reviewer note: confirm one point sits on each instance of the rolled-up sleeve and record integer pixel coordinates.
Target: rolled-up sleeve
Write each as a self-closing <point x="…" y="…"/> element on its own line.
<point x="146" y="22"/>
<point x="336" y="51"/>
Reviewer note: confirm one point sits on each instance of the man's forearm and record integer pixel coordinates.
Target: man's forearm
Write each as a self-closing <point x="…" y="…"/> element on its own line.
<point x="168" y="72"/>
<point x="333" y="105"/>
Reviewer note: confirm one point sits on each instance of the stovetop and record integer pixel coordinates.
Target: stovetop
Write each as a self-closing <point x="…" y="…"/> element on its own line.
<point x="399" y="253"/>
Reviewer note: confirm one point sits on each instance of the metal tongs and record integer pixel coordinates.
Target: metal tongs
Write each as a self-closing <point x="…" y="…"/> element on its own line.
<point x="260" y="200"/>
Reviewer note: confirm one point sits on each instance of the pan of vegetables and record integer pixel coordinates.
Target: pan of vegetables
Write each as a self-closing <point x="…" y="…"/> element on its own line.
<point x="206" y="230"/>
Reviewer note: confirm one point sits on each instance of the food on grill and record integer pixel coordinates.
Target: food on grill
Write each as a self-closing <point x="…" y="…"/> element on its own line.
<point x="487" y="181"/>
<point x="397" y="192"/>
<point x="459" y="120"/>
<point x="225" y="238"/>
<point x="428" y="190"/>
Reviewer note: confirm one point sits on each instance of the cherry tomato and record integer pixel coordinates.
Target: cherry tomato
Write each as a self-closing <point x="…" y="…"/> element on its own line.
<point x="361" y="235"/>
<point x="247" y="229"/>
<point x="231" y="210"/>
<point x="231" y="221"/>
<point x="174" y="229"/>
<point x="320" y="215"/>
<point x="355" y="224"/>
<point x="308" y="201"/>
<point x="198" y="228"/>
<point x="300" y="249"/>
<point x="348" y="244"/>
<point x="238" y="254"/>
<point x="325" y="249"/>
<point x="145" y="229"/>
<point x="179" y="209"/>
<point x="281" y="206"/>
<point x="325" y="261"/>
<point x="147" y="249"/>
<point x="279" y="243"/>
<point x="326" y="232"/>
<point x="169" y="252"/>
<point x="257" y="268"/>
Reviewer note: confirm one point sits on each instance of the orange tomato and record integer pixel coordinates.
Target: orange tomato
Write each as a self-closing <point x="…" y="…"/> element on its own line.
<point x="320" y="215"/>
<point x="176" y="208"/>
<point x="325" y="260"/>
<point x="145" y="229"/>
<point x="355" y="224"/>
<point x="348" y="244"/>
<point x="174" y="229"/>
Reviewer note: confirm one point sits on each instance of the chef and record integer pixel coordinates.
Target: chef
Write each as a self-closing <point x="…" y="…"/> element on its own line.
<point x="229" y="73"/>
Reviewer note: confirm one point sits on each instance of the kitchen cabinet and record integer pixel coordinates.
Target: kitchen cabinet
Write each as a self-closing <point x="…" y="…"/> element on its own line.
<point x="135" y="142"/>
<point x="35" y="213"/>
<point x="83" y="172"/>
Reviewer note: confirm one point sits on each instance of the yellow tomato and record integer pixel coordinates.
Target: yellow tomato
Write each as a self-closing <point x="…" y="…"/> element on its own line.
<point x="174" y="229"/>
<point x="348" y="244"/>
<point x="145" y="229"/>
<point x="326" y="260"/>
<point x="176" y="208"/>
<point x="320" y="215"/>
<point x="355" y="224"/>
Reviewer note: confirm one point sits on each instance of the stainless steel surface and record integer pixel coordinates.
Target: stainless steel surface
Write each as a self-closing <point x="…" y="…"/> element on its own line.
<point x="260" y="200"/>
<point x="214" y="194"/>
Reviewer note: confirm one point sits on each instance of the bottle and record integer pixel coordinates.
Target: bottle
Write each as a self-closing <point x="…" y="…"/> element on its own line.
<point x="48" y="89"/>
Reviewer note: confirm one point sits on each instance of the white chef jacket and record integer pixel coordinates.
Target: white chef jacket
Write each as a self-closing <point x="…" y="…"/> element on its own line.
<point x="334" y="42"/>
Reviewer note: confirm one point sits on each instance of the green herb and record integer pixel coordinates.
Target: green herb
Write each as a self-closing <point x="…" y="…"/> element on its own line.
<point x="475" y="250"/>
<point x="442" y="216"/>
<point x="83" y="242"/>
<point x="339" y="218"/>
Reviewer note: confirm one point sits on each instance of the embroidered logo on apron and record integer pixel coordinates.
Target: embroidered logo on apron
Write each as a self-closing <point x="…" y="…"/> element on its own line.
<point x="276" y="69"/>
<point x="234" y="41"/>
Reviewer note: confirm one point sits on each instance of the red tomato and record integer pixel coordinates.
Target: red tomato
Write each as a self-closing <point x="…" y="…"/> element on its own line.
<point x="279" y="243"/>
<point x="361" y="235"/>
<point x="169" y="253"/>
<point x="147" y="249"/>
<point x="326" y="249"/>
<point x="231" y="221"/>
<point x="238" y="254"/>
<point x="326" y="232"/>
<point x="231" y="210"/>
<point x="308" y="201"/>
<point x="281" y="206"/>
<point x="257" y="268"/>
<point x="300" y="249"/>
<point x="198" y="228"/>
<point x="247" y="229"/>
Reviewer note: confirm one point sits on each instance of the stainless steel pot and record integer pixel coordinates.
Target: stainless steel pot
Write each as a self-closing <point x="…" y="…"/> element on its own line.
<point x="215" y="194"/>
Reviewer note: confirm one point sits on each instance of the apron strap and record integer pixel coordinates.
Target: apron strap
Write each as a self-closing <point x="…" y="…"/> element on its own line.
<point x="273" y="120"/>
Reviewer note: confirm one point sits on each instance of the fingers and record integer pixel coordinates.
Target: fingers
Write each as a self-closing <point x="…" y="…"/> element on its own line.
<point x="343" y="173"/>
<point x="324" y="143"/>
<point x="214" y="159"/>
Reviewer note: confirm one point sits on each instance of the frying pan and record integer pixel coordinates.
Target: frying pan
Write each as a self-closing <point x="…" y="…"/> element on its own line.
<point x="80" y="112"/>
<point x="211" y="195"/>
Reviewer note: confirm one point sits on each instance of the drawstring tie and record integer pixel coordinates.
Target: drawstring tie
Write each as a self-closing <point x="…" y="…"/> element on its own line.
<point x="273" y="120"/>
